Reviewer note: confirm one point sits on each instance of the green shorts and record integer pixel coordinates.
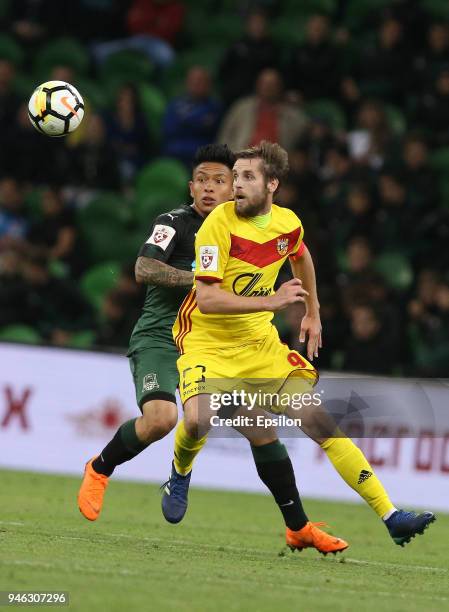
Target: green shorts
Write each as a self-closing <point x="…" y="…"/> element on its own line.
<point x="155" y="373"/>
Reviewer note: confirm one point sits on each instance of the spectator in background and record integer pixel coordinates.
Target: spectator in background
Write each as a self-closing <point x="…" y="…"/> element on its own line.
<point x="11" y="306"/>
<point x="115" y="326"/>
<point x="54" y="233"/>
<point x="395" y="226"/>
<point x="127" y="131"/>
<point x="191" y="120"/>
<point x="24" y="147"/>
<point x="153" y="27"/>
<point x="13" y="220"/>
<point x="370" y="142"/>
<point x="432" y="111"/>
<point x="304" y="177"/>
<point x="369" y="347"/>
<point x="359" y="261"/>
<point x="429" y="314"/>
<point x="53" y="306"/>
<point x="9" y="101"/>
<point x="317" y="139"/>
<point x="94" y="163"/>
<point x="353" y="215"/>
<point x="382" y="68"/>
<point x="263" y="116"/>
<point x="250" y="55"/>
<point x="432" y="59"/>
<point x="314" y="68"/>
<point x="415" y="172"/>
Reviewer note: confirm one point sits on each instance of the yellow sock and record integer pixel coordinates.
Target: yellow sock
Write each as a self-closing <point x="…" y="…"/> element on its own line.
<point x="351" y="464"/>
<point x="186" y="449"/>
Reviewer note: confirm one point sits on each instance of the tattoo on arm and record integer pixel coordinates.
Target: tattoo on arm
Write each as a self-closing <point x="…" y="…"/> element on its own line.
<point x="153" y="272"/>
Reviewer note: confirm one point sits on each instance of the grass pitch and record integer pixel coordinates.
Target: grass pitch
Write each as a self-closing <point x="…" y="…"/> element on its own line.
<point x="227" y="555"/>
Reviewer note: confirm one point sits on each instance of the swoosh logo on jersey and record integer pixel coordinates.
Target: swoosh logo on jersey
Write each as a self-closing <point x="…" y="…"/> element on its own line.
<point x="68" y="105"/>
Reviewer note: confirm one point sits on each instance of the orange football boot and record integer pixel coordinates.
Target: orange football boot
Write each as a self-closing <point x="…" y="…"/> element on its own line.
<point x="312" y="537"/>
<point x="91" y="493"/>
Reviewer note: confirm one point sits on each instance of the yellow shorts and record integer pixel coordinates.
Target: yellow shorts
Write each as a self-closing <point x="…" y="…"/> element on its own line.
<point x="257" y="365"/>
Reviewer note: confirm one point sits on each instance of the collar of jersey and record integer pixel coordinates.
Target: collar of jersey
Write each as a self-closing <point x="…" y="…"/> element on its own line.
<point x="261" y="221"/>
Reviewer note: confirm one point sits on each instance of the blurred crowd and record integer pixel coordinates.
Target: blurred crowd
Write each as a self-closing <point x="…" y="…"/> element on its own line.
<point x="359" y="98"/>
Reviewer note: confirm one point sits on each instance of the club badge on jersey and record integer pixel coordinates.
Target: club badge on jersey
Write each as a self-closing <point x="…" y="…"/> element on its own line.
<point x="161" y="236"/>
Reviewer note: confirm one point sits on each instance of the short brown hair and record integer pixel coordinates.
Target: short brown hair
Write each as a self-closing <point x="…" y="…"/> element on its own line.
<point x="274" y="158"/>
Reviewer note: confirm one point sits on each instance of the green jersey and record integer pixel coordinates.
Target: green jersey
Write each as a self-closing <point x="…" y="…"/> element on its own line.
<point x="172" y="241"/>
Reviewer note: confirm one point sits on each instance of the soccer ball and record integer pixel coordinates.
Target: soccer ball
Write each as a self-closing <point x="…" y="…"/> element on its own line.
<point x="55" y="108"/>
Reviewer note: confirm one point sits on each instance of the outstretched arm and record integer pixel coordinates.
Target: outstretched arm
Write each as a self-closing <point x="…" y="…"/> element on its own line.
<point x="149" y="271"/>
<point x="211" y="299"/>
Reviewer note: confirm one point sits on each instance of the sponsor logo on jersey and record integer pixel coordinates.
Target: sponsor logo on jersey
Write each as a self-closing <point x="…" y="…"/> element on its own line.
<point x="282" y="246"/>
<point x="150" y="382"/>
<point x="209" y="258"/>
<point x="161" y="236"/>
<point x="248" y="284"/>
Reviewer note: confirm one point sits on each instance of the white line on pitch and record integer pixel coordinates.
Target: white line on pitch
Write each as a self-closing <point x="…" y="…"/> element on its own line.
<point x="428" y="568"/>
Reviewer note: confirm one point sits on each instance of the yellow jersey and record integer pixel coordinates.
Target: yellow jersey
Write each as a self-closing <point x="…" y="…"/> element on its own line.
<point x="246" y="261"/>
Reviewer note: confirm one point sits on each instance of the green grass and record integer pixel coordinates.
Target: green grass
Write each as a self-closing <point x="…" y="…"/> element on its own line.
<point x="228" y="554"/>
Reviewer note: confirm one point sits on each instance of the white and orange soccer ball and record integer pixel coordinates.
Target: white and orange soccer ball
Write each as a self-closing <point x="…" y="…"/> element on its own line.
<point x="56" y="108"/>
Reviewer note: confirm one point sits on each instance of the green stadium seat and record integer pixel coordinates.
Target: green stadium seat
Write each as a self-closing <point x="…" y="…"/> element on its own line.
<point x="225" y="27"/>
<point x="329" y="111"/>
<point x="357" y="11"/>
<point x="439" y="160"/>
<point x="125" y="67"/>
<point x="395" y="270"/>
<point x="163" y="175"/>
<point x="92" y="93"/>
<point x="396" y="119"/>
<point x="10" y="50"/>
<point x="153" y="105"/>
<point x="82" y="340"/>
<point x="309" y="7"/>
<point x="288" y="31"/>
<point x="149" y="205"/>
<point x="108" y="208"/>
<point x="63" y="51"/>
<point x="98" y="281"/>
<point x="20" y="333"/>
<point x="110" y="242"/>
<point x="438" y="9"/>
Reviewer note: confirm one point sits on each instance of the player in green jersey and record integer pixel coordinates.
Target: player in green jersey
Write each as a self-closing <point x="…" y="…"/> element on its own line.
<point x="164" y="264"/>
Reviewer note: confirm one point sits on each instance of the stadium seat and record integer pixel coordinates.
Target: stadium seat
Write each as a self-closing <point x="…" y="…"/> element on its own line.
<point x="64" y="51"/>
<point x="225" y="27"/>
<point x="328" y="110"/>
<point x="125" y="67"/>
<point x="108" y="209"/>
<point x="438" y="9"/>
<point x="82" y="340"/>
<point x="98" y="281"/>
<point x="93" y="93"/>
<point x="149" y="205"/>
<point x="309" y="7"/>
<point x="10" y="50"/>
<point x="164" y="175"/>
<point x="439" y="160"/>
<point x="395" y="270"/>
<point x="357" y="11"/>
<point x="396" y="119"/>
<point x="20" y="333"/>
<point x="288" y="31"/>
<point x="153" y="105"/>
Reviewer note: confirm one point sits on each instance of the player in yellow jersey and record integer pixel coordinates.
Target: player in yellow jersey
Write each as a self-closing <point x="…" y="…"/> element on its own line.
<point x="225" y="336"/>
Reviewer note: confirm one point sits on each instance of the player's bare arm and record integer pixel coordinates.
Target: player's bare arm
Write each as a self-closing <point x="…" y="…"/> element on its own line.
<point x="211" y="299"/>
<point x="149" y="271"/>
<point x="303" y="268"/>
